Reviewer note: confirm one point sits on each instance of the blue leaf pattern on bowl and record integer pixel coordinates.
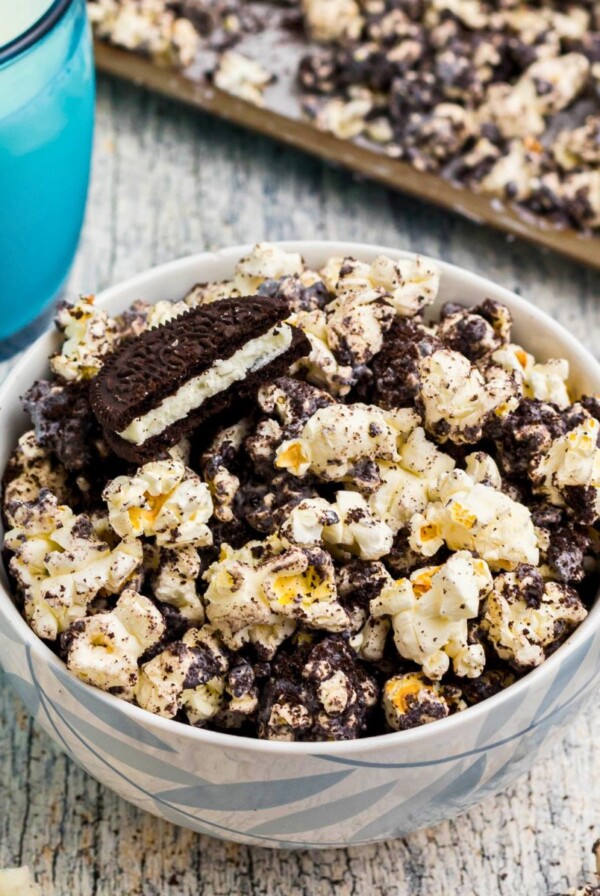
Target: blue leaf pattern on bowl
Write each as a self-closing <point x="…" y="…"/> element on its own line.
<point x="122" y="752"/>
<point x="252" y="794"/>
<point x="322" y="816"/>
<point x="26" y="690"/>
<point x="450" y="788"/>
<point x="110" y="715"/>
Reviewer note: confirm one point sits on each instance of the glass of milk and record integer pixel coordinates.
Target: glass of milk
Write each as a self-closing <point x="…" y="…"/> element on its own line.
<point x="46" y="127"/>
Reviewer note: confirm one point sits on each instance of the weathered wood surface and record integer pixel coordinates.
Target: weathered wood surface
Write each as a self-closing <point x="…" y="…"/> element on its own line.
<point x="168" y="181"/>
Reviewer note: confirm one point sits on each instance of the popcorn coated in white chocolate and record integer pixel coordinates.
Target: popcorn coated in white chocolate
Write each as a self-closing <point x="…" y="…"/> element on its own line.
<point x="457" y="400"/>
<point x="321" y="366"/>
<point x="174" y="581"/>
<point x="188" y="675"/>
<point x="406" y="484"/>
<point x="571" y="467"/>
<point x="429" y="614"/>
<point x="104" y="649"/>
<point x="163" y="499"/>
<point x="410" y="284"/>
<point x="30" y="470"/>
<point x="332" y="19"/>
<point x="356" y="324"/>
<point x="255" y="598"/>
<point x="475" y="517"/>
<point x="345" y="526"/>
<point x="336" y="437"/>
<point x="60" y="564"/>
<point x="242" y="76"/>
<point x="89" y="335"/>
<point x="545" y="381"/>
<point x="411" y="699"/>
<point x="524" y="615"/>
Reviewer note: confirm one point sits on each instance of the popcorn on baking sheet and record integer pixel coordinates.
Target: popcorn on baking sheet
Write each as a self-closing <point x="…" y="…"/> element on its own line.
<point x="104" y="649"/>
<point x="524" y="616"/>
<point x="242" y="76"/>
<point x="147" y="25"/>
<point x="163" y="499"/>
<point x="61" y="566"/>
<point x="89" y="334"/>
<point x="475" y="517"/>
<point x="429" y="614"/>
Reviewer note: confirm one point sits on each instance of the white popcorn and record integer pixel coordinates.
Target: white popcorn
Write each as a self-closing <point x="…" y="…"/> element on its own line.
<point x="345" y="119"/>
<point x="266" y="261"/>
<point x="514" y="109"/>
<point x="332" y="20"/>
<point x="410" y="699"/>
<point x="174" y="582"/>
<point x="30" y="469"/>
<point x="308" y="519"/>
<point x="186" y="675"/>
<point x="61" y="566"/>
<point x="18" y="882"/>
<point x="524" y="615"/>
<point x="357" y="322"/>
<point x="572" y="461"/>
<point x="545" y="381"/>
<point x="370" y="641"/>
<point x="241" y="76"/>
<point x="254" y="599"/>
<point x="104" y="649"/>
<point x="336" y="437"/>
<point x="321" y="366"/>
<point x="410" y="284"/>
<point x="162" y="312"/>
<point x="163" y="499"/>
<point x="223" y="484"/>
<point x="457" y="400"/>
<point x="89" y="335"/>
<point x="566" y="75"/>
<point x="405" y="485"/>
<point x="518" y="169"/>
<point x="345" y="526"/>
<point x="475" y="517"/>
<point x="429" y="614"/>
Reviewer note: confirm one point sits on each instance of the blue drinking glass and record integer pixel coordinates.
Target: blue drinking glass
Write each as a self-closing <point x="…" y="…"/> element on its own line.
<point x="46" y="129"/>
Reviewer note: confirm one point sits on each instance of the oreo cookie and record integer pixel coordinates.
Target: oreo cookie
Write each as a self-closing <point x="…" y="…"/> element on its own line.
<point x="160" y="386"/>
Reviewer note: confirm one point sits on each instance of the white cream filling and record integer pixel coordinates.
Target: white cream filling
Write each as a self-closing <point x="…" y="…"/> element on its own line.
<point x="224" y="373"/>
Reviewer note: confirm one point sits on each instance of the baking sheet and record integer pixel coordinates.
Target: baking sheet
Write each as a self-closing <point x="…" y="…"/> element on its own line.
<point x="281" y="120"/>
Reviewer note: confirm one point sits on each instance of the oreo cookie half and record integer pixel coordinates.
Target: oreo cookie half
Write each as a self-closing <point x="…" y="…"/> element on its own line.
<point x="161" y="385"/>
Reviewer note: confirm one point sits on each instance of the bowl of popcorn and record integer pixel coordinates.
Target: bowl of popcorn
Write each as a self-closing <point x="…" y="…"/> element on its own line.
<point x="301" y="540"/>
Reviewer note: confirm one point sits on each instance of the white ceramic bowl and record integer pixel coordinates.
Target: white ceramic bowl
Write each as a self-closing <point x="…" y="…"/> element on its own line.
<point x="305" y="794"/>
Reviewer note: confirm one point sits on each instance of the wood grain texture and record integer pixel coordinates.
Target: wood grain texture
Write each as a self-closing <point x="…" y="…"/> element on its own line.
<point x="168" y="182"/>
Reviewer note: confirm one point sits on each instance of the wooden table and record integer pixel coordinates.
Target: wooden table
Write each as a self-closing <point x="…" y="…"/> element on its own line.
<point x="168" y="181"/>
